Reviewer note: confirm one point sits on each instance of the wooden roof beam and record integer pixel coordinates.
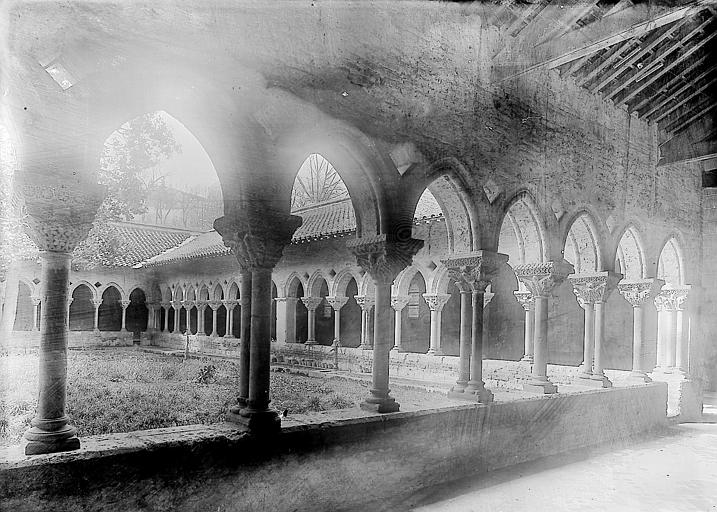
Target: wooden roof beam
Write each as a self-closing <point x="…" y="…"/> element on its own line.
<point x="684" y="100"/>
<point x="680" y="77"/>
<point x="694" y="114"/>
<point x="633" y="22"/>
<point x="666" y="69"/>
<point x="659" y="59"/>
<point x="691" y="145"/>
<point x="615" y="54"/>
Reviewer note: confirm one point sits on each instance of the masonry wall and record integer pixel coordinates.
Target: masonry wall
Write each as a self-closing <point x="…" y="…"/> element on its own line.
<point x="337" y="460"/>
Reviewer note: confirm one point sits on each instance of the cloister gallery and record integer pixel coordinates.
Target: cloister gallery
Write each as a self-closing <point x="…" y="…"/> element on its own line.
<point x="433" y="201"/>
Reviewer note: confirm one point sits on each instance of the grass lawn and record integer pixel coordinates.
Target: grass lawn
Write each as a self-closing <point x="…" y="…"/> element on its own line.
<point x="120" y="390"/>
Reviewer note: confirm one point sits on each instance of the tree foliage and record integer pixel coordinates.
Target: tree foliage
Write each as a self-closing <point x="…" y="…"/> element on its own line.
<point x="134" y="148"/>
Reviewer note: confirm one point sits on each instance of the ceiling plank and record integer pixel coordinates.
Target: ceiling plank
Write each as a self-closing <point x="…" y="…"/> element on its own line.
<point x="633" y="22"/>
<point x="697" y="112"/>
<point x="659" y="58"/>
<point x="654" y="40"/>
<point x="677" y="78"/>
<point x="683" y="100"/>
<point x="615" y="53"/>
<point x="671" y="96"/>
<point x="694" y="144"/>
<point x="664" y="70"/>
<point x="577" y="64"/>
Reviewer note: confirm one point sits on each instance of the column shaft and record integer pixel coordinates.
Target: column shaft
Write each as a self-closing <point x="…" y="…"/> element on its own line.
<point x="245" y="346"/>
<point x="166" y="319"/>
<point x="50" y="430"/>
<point x="681" y="353"/>
<point x="671" y="339"/>
<point x="435" y="343"/>
<point x="214" y="322"/>
<point x="540" y="344"/>
<point x="586" y="369"/>
<point x="311" y="316"/>
<point x="529" y="334"/>
<point x="337" y="324"/>
<point x="476" y="386"/>
<point x="465" y="343"/>
<point x="34" y="316"/>
<point x="397" y="328"/>
<point x="598" y="373"/>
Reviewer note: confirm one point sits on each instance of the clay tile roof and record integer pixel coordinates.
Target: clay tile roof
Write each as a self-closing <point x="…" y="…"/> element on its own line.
<point x="329" y="219"/>
<point x="144" y="242"/>
<point x="205" y="245"/>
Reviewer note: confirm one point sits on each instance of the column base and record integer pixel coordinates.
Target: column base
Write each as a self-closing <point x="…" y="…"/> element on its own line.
<point x="637" y="377"/>
<point x="544" y="387"/>
<point x="483" y="396"/>
<point x="437" y="352"/>
<point x="229" y="336"/>
<point x="527" y="359"/>
<point x="365" y="347"/>
<point x="662" y="369"/>
<point x="459" y="386"/>
<point x="380" y="405"/>
<point x="593" y="381"/>
<point x="45" y="441"/>
<point x="259" y="422"/>
<point x="311" y="342"/>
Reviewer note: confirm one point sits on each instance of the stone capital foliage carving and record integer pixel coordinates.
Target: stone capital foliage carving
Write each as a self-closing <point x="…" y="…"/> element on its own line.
<point x="525" y="299"/>
<point x="165" y="304"/>
<point x="312" y="303"/>
<point x="436" y="301"/>
<point x="384" y="256"/>
<point x="257" y="241"/>
<point x="337" y="302"/>
<point x="230" y="304"/>
<point x="672" y="299"/>
<point x="638" y="293"/>
<point x="365" y="302"/>
<point x="125" y="303"/>
<point x="288" y="300"/>
<point x="60" y="213"/>
<point x="594" y="287"/>
<point x="188" y="304"/>
<point x="398" y="302"/>
<point x="176" y="304"/>
<point x="542" y="278"/>
<point x="215" y="304"/>
<point x="475" y="271"/>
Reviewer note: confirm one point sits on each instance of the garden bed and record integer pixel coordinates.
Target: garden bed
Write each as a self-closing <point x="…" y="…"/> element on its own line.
<point x="123" y="389"/>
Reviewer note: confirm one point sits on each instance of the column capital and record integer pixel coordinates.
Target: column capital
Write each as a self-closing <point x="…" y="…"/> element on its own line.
<point x="257" y="240"/>
<point x="594" y="287"/>
<point x="125" y="303"/>
<point x="97" y="302"/>
<point x="215" y="304"/>
<point x="436" y="301"/>
<point x="384" y="256"/>
<point x="35" y="300"/>
<point x="672" y="298"/>
<point x="639" y="292"/>
<point x="165" y="304"/>
<point x="542" y="278"/>
<point x="230" y="304"/>
<point x="475" y="270"/>
<point x="336" y="302"/>
<point x="365" y="302"/>
<point x="288" y="300"/>
<point x="188" y="304"/>
<point x="201" y="304"/>
<point x="525" y="299"/>
<point x="398" y="302"/>
<point x="176" y="304"/>
<point x="59" y="213"/>
<point x="312" y="303"/>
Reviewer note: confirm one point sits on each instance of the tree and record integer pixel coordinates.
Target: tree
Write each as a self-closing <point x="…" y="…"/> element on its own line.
<point x="129" y="152"/>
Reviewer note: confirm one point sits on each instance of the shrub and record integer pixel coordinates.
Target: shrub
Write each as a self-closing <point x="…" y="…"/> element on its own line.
<point x="168" y="371"/>
<point x="340" y="402"/>
<point x="206" y="374"/>
<point x="314" y="404"/>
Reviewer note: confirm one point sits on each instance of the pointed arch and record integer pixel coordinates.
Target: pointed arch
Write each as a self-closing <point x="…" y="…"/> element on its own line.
<point x="112" y="284"/>
<point x="671" y="262"/>
<point x="291" y="285"/>
<point x="630" y="254"/>
<point x="523" y="235"/>
<point x="403" y="280"/>
<point x="90" y="287"/>
<point x="313" y="285"/>
<point x="341" y="281"/>
<point x="582" y="243"/>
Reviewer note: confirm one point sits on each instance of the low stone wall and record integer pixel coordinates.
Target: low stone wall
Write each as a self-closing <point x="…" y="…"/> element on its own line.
<point x="23" y="340"/>
<point x="331" y="461"/>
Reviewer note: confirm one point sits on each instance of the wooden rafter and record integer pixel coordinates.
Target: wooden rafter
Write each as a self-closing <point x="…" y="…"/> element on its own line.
<point x="691" y="116"/>
<point x="679" y="77"/>
<point x="653" y="40"/>
<point x="576" y="65"/>
<point x="684" y="100"/>
<point x="615" y="53"/>
<point x="666" y="69"/>
<point x="697" y="142"/>
<point x="657" y="60"/>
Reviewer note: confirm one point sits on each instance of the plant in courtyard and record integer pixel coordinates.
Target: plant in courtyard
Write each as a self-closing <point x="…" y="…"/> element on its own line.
<point x="206" y="374"/>
<point x="134" y="148"/>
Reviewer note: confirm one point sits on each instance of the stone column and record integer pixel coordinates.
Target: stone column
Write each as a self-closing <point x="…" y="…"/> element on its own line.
<point x="398" y="302"/>
<point x="474" y="272"/>
<point x="165" y="306"/>
<point x="383" y="257"/>
<point x="526" y="300"/>
<point x="670" y="329"/>
<point x="681" y="341"/>
<point x="244" y="338"/>
<point x="286" y="319"/>
<point x="465" y="339"/>
<point x="435" y="304"/>
<point x="366" y="303"/>
<point x="97" y="303"/>
<point x="201" y="306"/>
<point x="258" y="241"/>
<point x="592" y="291"/>
<point x="639" y="293"/>
<point x="215" y="305"/>
<point x="59" y="216"/>
<point x="176" y="305"/>
<point x="35" y="304"/>
<point x="337" y="303"/>
<point x="540" y="280"/>
<point x="125" y="304"/>
<point x="229" y="305"/>
<point x="311" y="304"/>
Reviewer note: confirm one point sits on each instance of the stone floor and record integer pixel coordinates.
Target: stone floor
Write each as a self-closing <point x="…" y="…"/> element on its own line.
<point x="675" y="471"/>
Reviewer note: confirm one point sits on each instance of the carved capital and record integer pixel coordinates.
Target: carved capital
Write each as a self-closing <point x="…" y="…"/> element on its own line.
<point x="35" y="300"/>
<point x="542" y="278"/>
<point x="215" y="304"/>
<point x="164" y="304"/>
<point x="525" y="299"/>
<point x="398" y="302"/>
<point x="672" y="299"/>
<point x="594" y="287"/>
<point x="97" y="302"/>
<point x="176" y="304"/>
<point x="366" y="303"/>
<point x="638" y="293"/>
<point x="337" y="302"/>
<point x="125" y="303"/>
<point x="59" y="213"/>
<point x="436" y="301"/>
<point x="475" y="270"/>
<point x="312" y="303"/>
<point x="383" y="256"/>
<point x="257" y="242"/>
<point x="230" y="304"/>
